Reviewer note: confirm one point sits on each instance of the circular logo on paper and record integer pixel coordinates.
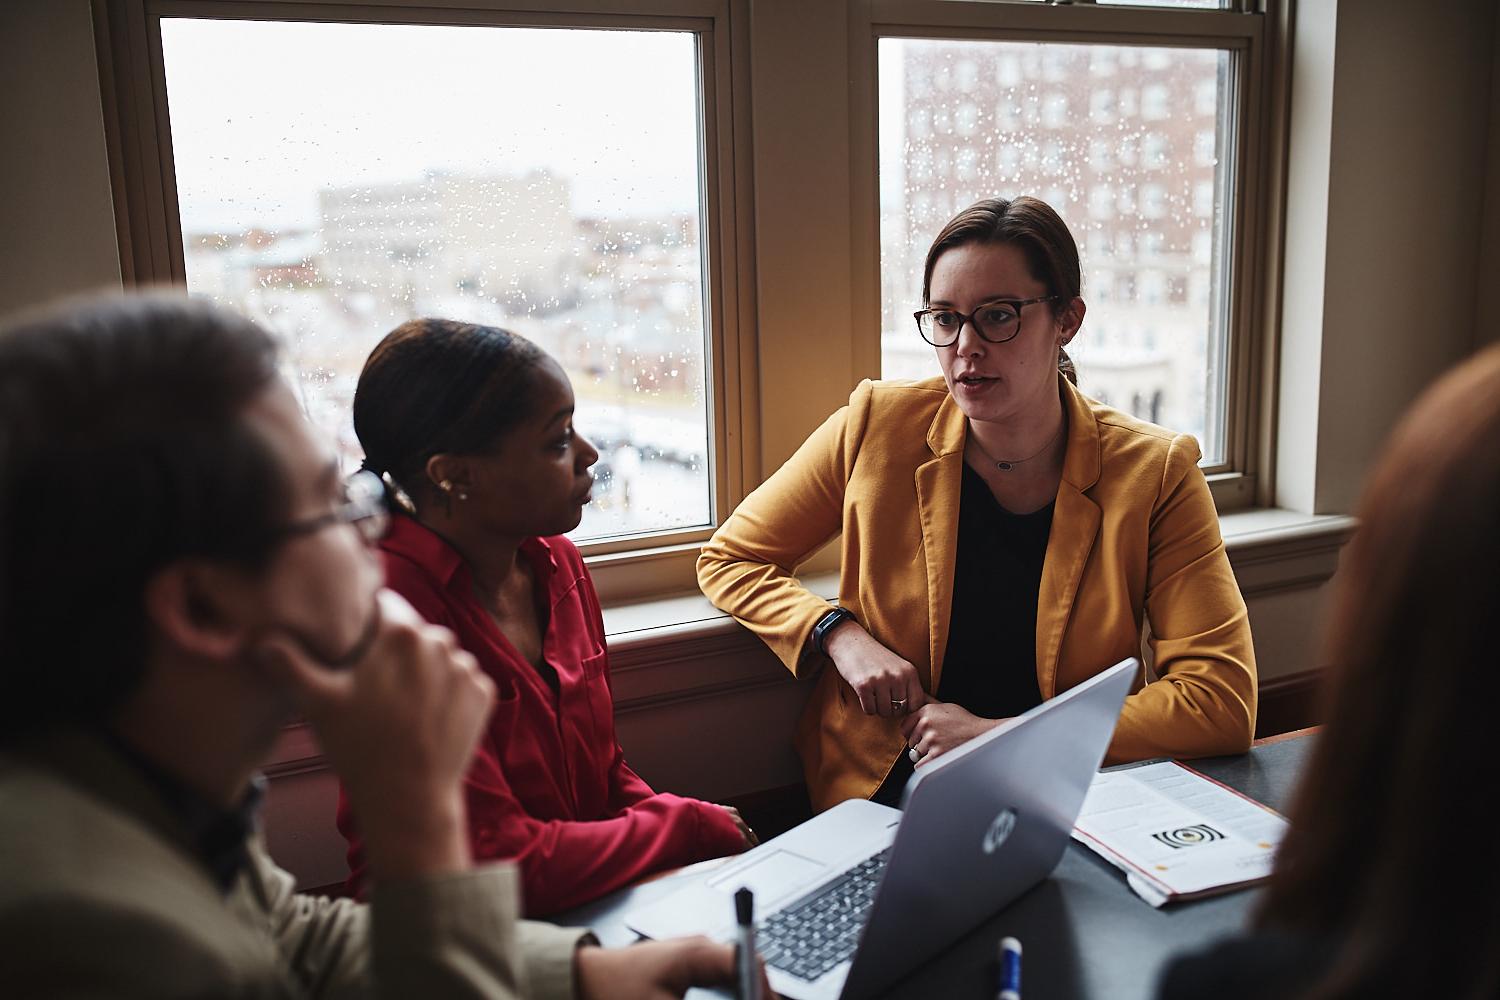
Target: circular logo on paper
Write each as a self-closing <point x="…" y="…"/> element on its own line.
<point x="1188" y="836"/>
<point x="1000" y="829"/>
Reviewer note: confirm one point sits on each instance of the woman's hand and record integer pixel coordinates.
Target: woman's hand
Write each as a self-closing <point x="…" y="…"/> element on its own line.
<point x="885" y="683"/>
<point x="751" y="840"/>
<point x="939" y="726"/>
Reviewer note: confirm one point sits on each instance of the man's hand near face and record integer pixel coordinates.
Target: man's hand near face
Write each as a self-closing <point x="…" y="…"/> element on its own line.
<point x="399" y="726"/>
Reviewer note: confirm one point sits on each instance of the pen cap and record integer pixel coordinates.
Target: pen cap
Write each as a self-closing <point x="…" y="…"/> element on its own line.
<point x="1010" y="969"/>
<point x="744" y="907"/>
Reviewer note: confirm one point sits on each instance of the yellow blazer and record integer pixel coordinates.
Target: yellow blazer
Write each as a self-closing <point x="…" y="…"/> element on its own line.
<point x="1135" y="538"/>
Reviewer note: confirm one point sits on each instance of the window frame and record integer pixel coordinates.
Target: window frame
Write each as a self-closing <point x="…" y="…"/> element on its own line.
<point x="1255" y="34"/>
<point x="143" y="178"/>
<point x="790" y="168"/>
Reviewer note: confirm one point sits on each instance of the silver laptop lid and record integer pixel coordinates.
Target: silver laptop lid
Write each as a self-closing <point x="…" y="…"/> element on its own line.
<point x="983" y="824"/>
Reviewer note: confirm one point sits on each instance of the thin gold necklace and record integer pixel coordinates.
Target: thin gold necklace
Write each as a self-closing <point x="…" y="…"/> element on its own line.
<point x="1005" y="465"/>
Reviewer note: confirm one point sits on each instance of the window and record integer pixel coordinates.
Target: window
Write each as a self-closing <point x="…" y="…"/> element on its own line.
<point x="391" y="163"/>
<point x="1055" y="111"/>
<point x="1151" y="169"/>
<point x="729" y="299"/>
<point x="1156" y="149"/>
<point x="1136" y="195"/>
<point x="411" y="186"/>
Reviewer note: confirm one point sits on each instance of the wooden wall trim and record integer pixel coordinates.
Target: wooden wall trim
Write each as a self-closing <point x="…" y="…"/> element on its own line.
<point x="774" y="811"/>
<point x="1289" y="703"/>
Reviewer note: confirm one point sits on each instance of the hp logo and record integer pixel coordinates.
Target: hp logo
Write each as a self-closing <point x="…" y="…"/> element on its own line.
<point x="1000" y="828"/>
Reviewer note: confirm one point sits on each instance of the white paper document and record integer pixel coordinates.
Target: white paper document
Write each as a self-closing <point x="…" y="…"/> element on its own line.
<point x="1177" y="834"/>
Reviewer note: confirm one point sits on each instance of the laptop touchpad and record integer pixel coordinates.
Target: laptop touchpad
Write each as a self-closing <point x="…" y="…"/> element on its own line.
<point x="772" y="876"/>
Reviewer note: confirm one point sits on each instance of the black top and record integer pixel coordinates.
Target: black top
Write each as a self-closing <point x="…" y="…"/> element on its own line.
<point x="989" y="666"/>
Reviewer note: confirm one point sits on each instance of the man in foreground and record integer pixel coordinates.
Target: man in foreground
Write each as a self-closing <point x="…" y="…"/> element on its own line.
<point x="180" y="573"/>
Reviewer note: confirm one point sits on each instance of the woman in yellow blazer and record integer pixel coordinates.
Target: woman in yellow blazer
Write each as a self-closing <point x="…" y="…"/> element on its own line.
<point x="1003" y="538"/>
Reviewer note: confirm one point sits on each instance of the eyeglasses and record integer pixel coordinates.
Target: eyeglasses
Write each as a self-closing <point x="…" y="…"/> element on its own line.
<point x="995" y="322"/>
<point x="363" y="507"/>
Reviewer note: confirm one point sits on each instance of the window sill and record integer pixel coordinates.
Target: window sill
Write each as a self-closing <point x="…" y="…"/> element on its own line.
<point x="1270" y="549"/>
<point x="678" y="648"/>
<point x="1247" y="531"/>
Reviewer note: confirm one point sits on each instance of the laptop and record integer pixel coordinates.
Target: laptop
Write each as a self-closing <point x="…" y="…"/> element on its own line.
<point x="862" y="894"/>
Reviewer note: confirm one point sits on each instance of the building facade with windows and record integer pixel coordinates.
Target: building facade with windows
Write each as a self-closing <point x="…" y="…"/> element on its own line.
<point x="1126" y="143"/>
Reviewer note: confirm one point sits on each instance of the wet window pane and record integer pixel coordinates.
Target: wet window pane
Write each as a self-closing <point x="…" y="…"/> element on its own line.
<point x="1193" y="4"/>
<point x="1127" y="144"/>
<point x="1189" y="4"/>
<point x="370" y="174"/>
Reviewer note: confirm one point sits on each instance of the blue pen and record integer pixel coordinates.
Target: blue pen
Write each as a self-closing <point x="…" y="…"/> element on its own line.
<point x="746" y="968"/>
<point x="1010" y="969"/>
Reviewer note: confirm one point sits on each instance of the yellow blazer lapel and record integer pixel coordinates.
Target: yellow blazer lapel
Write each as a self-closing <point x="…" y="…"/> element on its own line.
<point x="938" y="487"/>
<point x="1075" y="525"/>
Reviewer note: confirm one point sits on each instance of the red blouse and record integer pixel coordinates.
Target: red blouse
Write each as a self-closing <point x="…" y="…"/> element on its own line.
<point x="549" y="786"/>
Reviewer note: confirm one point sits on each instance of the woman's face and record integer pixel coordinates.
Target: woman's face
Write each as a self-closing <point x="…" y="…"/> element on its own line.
<point x="997" y="382"/>
<point x="537" y="481"/>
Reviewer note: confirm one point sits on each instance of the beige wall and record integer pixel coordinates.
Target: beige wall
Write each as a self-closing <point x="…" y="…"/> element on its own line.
<point x="56" y="215"/>
<point x="802" y="222"/>
<point x="1386" y="302"/>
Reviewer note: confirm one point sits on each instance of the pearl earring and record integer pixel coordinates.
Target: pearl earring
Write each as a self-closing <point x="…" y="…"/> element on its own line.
<point x="446" y="486"/>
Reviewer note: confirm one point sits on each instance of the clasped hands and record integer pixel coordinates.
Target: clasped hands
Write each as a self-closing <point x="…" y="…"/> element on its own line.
<point x="887" y="685"/>
<point x="939" y="726"/>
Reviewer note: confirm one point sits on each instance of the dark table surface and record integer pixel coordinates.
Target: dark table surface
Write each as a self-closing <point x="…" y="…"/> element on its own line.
<point x="1085" y="934"/>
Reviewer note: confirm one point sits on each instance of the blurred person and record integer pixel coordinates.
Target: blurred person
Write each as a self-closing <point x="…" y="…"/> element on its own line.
<point x="475" y="426"/>
<point x="1003" y="538"/>
<point x="180" y="572"/>
<point x="1367" y="898"/>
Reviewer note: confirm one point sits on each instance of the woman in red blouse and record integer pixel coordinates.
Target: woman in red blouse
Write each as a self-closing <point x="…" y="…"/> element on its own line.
<point x="474" y="425"/>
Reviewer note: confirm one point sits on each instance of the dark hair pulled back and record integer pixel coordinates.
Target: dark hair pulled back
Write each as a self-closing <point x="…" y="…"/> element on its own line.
<point x="435" y="385"/>
<point x="1031" y="225"/>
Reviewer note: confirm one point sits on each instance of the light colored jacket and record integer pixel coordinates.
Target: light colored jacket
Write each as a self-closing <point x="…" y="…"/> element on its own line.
<point x="100" y="896"/>
<point x="1135" y="538"/>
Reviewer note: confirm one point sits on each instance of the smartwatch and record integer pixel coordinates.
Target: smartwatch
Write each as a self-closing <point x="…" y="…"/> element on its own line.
<point x="827" y="624"/>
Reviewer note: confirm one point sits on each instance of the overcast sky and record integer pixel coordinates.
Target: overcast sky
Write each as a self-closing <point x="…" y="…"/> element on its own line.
<point x="265" y="114"/>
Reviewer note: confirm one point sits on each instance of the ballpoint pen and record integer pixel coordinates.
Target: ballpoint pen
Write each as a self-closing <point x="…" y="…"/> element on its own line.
<point x="746" y="969"/>
<point x="1010" y="969"/>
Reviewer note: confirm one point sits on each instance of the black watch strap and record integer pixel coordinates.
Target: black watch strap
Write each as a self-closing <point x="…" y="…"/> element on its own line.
<point x="827" y="624"/>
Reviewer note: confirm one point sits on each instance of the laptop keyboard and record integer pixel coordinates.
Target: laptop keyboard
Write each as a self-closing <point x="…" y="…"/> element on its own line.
<point x="810" y="937"/>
